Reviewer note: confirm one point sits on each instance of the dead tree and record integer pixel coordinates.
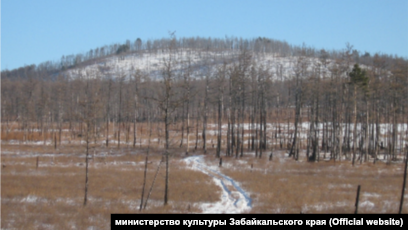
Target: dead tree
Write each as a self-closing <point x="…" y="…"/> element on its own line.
<point x="91" y="105"/>
<point x="205" y="115"/>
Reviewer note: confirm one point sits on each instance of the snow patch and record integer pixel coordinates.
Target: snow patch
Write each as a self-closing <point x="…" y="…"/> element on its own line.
<point x="231" y="201"/>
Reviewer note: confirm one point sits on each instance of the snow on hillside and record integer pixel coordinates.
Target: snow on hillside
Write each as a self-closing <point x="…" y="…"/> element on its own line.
<point x="202" y="63"/>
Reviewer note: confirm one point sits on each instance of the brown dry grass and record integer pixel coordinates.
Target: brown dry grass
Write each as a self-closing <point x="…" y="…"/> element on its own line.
<point x="52" y="194"/>
<point x="286" y="186"/>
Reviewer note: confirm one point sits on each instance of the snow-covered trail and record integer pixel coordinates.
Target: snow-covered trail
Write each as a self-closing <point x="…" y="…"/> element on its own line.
<point x="233" y="198"/>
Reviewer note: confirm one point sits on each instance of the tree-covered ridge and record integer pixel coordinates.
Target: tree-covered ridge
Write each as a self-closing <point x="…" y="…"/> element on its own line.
<point x="258" y="46"/>
<point x="345" y="106"/>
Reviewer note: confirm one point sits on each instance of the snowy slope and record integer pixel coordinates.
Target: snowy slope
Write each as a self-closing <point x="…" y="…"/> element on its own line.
<point x="202" y="64"/>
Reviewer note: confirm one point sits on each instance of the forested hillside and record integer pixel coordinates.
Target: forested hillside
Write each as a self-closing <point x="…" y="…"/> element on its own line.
<point x="257" y="94"/>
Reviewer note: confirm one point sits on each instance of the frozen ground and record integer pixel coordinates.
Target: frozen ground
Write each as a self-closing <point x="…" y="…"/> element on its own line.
<point x="234" y="199"/>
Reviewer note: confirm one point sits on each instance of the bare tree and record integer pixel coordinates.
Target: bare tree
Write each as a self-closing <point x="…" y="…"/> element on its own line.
<point x="91" y="106"/>
<point x="220" y="99"/>
<point x="168" y="101"/>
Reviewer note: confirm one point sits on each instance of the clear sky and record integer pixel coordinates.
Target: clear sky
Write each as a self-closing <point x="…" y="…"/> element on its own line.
<point x="35" y="31"/>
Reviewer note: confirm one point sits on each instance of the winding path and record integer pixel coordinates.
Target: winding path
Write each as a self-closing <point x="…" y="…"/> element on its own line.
<point x="233" y="198"/>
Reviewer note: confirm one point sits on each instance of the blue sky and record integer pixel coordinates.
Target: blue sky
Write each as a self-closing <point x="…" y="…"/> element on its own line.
<point x="35" y="31"/>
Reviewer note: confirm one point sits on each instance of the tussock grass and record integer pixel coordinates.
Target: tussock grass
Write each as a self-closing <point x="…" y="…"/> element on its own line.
<point x="52" y="195"/>
<point x="288" y="186"/>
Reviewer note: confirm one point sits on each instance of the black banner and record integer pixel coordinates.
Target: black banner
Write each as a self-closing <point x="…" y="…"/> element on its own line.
<point x="132" y="221"/>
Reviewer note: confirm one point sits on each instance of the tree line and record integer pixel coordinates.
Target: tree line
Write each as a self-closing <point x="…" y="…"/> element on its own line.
<point x="339" y="103"/>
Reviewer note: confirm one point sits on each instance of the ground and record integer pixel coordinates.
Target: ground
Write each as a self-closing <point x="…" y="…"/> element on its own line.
<point x="51" y="195"/>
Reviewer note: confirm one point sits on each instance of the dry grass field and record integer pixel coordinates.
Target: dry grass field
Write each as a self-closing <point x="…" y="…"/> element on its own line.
<point x="287" y="186"/>
<point x="51" y="195"/>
